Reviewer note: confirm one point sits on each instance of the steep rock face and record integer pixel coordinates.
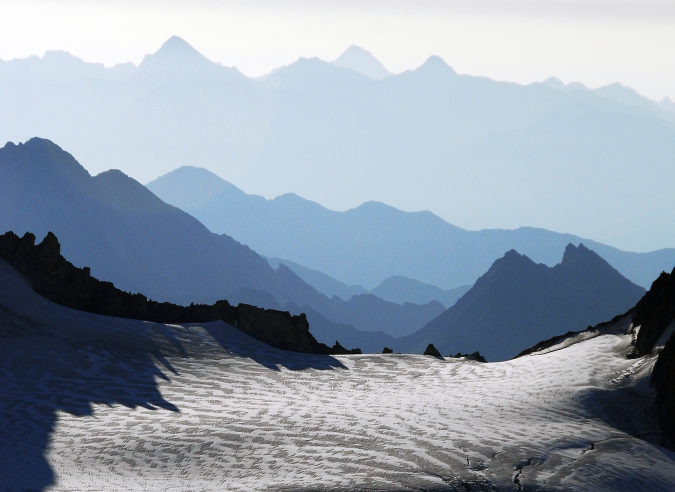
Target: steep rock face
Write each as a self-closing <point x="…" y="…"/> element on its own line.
<point x="277" y="328"/>
<point x="663" y="378"/>
<point x="654" y="312"/>
<point x="653" y="315"/>
<point x="56" y="279"/>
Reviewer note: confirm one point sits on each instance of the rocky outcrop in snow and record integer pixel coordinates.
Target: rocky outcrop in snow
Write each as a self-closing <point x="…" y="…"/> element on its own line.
<point x="654" y="314"/>
<point x="56" y="279"/>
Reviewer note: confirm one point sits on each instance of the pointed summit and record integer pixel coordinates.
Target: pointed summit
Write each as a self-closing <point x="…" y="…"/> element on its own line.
<point x="176" y="46"/>
<point x="175" y="54"/>
<point x="581" y="253"/>
<point x="435" y="65"/>
<point x="587" y="262"/>
<point x="362" y="61"/>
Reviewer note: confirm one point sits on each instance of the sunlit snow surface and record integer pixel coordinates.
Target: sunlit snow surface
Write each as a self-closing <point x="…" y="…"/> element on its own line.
<point x="230" y="413"/>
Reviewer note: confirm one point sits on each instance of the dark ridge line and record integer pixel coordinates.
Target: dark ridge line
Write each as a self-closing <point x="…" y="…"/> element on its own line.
<point x="59" y="281"/>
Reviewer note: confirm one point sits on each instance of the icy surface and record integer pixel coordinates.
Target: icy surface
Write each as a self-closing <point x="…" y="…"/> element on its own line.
<point x="212" y="409"/>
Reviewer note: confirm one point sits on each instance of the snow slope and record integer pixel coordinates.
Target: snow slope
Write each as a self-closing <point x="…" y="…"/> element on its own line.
<point x="93" y="403"/>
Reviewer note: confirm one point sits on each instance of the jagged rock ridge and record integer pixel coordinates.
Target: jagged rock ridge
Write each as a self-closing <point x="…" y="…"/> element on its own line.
<point x="56" y="279"/>
<point x="127" y="235"/>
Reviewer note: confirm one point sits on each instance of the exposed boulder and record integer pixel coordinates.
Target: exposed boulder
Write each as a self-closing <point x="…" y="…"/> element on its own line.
<point x="431" y="350"/>
<point x="58" y="280"/>
<point x="387" y="350"/>
<point x="338" y="349"/>
<point x="475" y="356"/>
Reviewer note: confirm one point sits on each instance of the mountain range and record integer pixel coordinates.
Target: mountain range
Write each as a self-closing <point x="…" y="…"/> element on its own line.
<point x="479" y="153"/>
<point x="128" y="236"/>
<point x="397" y="289"/>
<point x="519" y="302"/>
<point x="373" y="242"/>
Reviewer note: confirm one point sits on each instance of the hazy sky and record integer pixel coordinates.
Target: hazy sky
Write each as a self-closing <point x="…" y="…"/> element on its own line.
<point x="594" y="41"/>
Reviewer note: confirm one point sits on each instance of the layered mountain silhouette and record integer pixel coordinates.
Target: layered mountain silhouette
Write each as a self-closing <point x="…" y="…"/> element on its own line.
<point x="114" y="225"/>
<point x="373" y="242"/>
<point x="328" y="285"/>
<point x="128" y="236"/>
<point x="519" y="302"/>
<point x="362" y="61"/>
<point x="397" y="289"/>
<point x="478" y="152"/>
<point x="177" y="58"/>
<point x="403" y="289"/>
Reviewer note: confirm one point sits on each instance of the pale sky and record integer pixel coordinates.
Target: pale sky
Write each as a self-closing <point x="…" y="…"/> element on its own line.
<point x="597" y="42"/>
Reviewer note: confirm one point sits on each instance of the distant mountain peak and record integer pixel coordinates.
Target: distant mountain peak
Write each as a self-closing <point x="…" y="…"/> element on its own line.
<point x="60" y="55"/>
<point x="575" y="86"/>
<point x="191" y="178"/>
<point x="573" y="252"/>
<point x="512" y="256"/>
<point x="175" y="45"/>
<point x="511" y="263"/>
<point x="554" y="83"/>
<point x="173" y="54"/>
<point x="362" y="61"/>
<point x="436" y="64"/>
<point x="580" y="257"/>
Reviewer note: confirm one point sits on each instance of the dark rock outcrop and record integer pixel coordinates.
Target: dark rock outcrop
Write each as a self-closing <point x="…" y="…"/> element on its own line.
<point x="653" y="314"/>
<point x="431" y="350"/>
<point x="387" y="350"/>
<point x="475" y="356"/>
<point x="338" y="349"/>
<point x="663" y="378"/>
<point x="56" y="279"/>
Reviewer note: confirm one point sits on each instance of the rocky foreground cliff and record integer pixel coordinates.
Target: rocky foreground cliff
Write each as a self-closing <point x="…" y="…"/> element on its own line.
<point x="58" y="280"/>
<point x="654" y="322"/>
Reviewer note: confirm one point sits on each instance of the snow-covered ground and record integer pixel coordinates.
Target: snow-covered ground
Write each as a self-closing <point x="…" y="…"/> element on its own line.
<point x="90" y="403"/>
